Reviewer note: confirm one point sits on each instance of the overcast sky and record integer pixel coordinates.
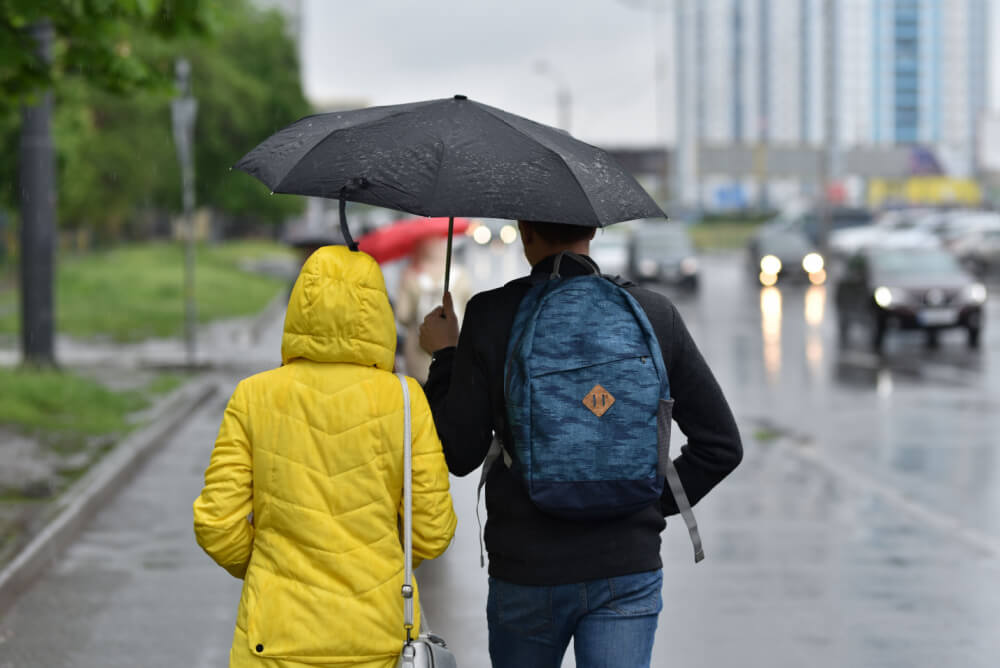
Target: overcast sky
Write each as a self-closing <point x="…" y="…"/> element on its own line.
<point x="392" y="51"/>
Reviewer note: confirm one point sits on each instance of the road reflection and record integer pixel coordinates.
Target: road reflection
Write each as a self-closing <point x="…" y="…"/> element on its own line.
<point x="770" y="329"/>
<point x="815" y="307"/>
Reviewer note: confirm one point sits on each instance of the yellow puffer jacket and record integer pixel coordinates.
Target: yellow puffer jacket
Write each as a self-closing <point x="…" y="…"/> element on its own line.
<point x="315" y="449"/>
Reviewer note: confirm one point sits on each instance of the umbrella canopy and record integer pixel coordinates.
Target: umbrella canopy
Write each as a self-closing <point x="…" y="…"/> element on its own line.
<point x="401" y="238"/>
<point x="450" y="157"/>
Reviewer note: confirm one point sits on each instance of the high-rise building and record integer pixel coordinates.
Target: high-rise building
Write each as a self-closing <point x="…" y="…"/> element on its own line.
<point x="902" y="72"/>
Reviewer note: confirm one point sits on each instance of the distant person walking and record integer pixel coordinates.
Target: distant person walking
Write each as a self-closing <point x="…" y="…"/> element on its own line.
<point x="303" y="492"/>
<point x="421" y="285"/>
<point x="552" y="579"/>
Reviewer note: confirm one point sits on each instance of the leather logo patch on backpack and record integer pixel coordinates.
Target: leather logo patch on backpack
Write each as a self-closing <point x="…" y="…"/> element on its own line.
<point x="598" y="400"/>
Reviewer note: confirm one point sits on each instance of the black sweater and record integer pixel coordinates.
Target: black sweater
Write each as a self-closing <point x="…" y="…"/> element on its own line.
<point x="525" y="546"/>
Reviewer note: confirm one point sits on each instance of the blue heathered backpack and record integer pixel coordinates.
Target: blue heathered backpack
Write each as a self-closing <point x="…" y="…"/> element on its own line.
<point x="588" y="402"/>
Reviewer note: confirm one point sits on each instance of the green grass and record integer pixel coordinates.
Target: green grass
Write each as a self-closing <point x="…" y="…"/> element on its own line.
<point x="61" y="404"/>
<point x="722" y="235"/>
<point x="134" y="292"/>
<point x="166" y="382"/>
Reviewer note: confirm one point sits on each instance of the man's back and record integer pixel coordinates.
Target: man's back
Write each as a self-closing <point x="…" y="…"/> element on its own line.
<point x="526" y="546"/>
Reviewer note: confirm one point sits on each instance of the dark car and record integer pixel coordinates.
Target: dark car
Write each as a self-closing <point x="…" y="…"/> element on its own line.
<point x="662" y="252"/>
<point x="816" y="226"/>
<point x="920" y="288"/>
<point x="782" y="251"/>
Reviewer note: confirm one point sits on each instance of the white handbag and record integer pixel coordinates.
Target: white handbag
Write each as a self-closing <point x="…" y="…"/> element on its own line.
<point x="427" y="650"/>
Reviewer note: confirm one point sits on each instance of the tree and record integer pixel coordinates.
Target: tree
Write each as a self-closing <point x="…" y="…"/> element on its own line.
<point x="41" y="41"/>
<point x="115" y="154"/>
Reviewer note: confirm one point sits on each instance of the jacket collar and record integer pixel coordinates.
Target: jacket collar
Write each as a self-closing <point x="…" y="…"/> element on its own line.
<point x="568" y="267"/>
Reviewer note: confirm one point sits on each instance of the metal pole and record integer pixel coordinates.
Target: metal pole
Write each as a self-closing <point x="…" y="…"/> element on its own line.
<point x="828" y="157"/>
<point x="38" y="214"/>
<point x="563" y="99"/>
<point x="184" y="111"/>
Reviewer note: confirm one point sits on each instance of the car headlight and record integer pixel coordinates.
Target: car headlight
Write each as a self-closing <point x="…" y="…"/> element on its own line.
<point x="482" y="235"/>
<point x="770" y="264"/>
<point x="976" y="293"/>
<point x="689" y="265"/>
<point x="648" y="267"/>
<point x="508" y="234"/>
<point x="812" y="262"/>
<point x="883" y="296"/>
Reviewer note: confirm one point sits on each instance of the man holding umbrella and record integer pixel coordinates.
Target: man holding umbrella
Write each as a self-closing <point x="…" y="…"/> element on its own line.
<point x="553" y="579"/>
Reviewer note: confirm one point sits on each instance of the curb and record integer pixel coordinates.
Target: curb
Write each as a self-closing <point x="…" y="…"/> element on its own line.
<point x="77" y="505"/>
<point x="275" y="308"/>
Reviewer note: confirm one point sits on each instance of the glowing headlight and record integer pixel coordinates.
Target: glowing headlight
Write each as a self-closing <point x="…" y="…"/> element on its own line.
<point x="689" y="265"/>
<point x="976" y="293"/>
<point x="508" y="234"/>
<point x="769" y="264"/>
<point x="767" y="280"/>
<point x="812" y="262"/>
<point x="883" y="296"/>
<point x="648" y="267"/>
<point x="482" y="235"/>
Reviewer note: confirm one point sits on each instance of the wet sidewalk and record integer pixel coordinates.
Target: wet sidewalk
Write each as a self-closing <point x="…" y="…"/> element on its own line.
<point x="803" y="568"/>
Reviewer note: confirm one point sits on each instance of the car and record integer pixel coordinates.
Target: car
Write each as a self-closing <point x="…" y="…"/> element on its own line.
<point x="921" y="288"/>
<point x="979" y="250"/>
<point x="840" y="218"/>
<point x="609" y="250"/>
<point x="663" y="252"/>
<point x="903" y="227"/>
<point x="783" y="252"/>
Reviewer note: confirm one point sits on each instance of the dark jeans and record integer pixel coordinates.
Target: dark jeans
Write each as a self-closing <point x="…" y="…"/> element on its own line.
<point x="612" y="622"/>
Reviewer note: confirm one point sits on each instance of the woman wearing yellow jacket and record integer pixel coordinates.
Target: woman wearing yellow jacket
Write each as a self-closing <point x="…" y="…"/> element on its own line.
<point x="303" y="492"/>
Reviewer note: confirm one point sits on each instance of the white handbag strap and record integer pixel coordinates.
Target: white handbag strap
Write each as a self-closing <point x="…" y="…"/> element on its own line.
<point x="407" y="511"/>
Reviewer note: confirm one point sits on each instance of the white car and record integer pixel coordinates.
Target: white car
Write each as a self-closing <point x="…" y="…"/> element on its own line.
<point x="903" y="228"/>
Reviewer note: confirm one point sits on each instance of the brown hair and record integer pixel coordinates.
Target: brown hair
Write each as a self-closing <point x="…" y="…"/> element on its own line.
<point x="560" y="233"/>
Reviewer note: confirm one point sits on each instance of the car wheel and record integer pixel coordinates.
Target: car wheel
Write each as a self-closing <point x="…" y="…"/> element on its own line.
<point x="843" y="329"/>
<point x="973" y="337"/>
<point x="878" y="334"/>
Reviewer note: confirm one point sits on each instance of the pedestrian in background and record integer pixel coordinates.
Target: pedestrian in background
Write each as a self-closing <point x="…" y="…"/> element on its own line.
<point x="420" y="288"/>
<point x="303" y="493"/>
<point x="553" y="579"/>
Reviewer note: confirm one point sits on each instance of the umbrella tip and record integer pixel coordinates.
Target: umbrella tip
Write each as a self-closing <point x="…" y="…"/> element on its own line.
<point x="461" y="97"/>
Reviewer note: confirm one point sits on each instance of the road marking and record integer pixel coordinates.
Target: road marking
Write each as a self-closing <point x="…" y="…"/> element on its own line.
<point x="985" y="543"/>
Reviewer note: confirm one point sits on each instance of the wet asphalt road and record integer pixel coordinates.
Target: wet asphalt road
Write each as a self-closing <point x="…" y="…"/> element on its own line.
<point x="861" y="530"/>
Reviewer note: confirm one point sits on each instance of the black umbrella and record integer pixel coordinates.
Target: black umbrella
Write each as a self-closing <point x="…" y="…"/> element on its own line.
<point x="449" y="157"/>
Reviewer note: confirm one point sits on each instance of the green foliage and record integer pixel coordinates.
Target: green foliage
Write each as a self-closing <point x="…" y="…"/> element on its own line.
<point x="720" y="235"/>
<point x="112" y="74"/>
<point x="134" y="292"/>
<point x="46" y="401"/>
<point x="94" y="40"/>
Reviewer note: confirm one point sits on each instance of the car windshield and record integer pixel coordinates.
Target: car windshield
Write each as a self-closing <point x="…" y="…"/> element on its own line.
<point x="784" y="244"/>
<point x="915" y="261"/>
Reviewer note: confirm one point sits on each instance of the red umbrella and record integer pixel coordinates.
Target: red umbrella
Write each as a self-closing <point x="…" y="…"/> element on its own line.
<point x="400" y="238"/>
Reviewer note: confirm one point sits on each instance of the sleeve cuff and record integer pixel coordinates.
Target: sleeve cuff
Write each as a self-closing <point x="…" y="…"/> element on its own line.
<point x="445" y="354"/>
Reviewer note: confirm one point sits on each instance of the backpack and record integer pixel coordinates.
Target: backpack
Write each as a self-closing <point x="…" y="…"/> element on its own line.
<point x="588" y="401"/>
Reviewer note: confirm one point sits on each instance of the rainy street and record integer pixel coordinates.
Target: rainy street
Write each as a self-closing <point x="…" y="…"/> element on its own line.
<point x="860" y="530"/>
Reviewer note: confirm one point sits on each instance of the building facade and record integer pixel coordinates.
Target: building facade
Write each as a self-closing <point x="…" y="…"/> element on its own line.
<point x="866" y="73"/>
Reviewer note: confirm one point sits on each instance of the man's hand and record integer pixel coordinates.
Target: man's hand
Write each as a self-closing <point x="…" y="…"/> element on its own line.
<point x="440" y="327"/>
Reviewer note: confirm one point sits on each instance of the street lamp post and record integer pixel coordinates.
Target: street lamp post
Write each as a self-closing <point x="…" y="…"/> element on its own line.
<point x="563" y="100"/>
<point x="184" y="109"/>
<point x="38" y="216"/>
<point x="658" y="8"/>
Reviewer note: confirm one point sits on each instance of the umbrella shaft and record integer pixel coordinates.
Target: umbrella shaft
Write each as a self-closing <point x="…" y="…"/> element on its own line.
<point x="447" y="260"/>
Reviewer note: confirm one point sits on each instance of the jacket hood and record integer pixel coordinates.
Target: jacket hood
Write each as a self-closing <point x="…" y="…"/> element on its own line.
<point x="339" y="312"/>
